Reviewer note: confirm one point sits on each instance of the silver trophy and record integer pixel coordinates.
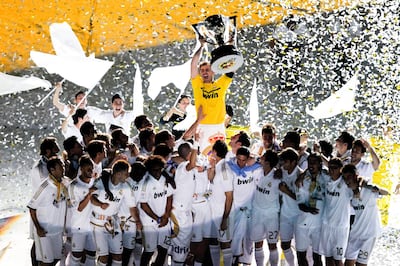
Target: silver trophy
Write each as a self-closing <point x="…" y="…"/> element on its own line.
<point x="220" y="31"/>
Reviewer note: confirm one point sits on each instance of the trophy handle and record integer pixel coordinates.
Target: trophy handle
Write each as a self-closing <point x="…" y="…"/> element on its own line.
<point x="233" y="34"/>
<point x="194" y="26"/>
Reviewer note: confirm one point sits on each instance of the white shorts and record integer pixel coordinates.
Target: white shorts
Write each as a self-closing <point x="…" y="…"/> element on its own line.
<point x="209" y="134"/>
<point x="48" y="248"/>
<point x="241" y="244"/>
<point x="333" y="242"/>
<point x="307" y="236"/>
<point x="82" y="241"/>
<point x="107" y="242"/>
<point x="360" y="249"/>
<point x="201" y="221"/>
<point x="128" y="234"/>
<point x="153" y="236"/>
<point x="287" y="227"/>
<point x="264" y="225"/>
<point x="215" y="224"/>
<point x="181" y="222"/>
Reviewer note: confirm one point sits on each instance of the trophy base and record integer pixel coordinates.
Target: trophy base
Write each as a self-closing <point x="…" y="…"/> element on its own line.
<point x="226" y="59"/>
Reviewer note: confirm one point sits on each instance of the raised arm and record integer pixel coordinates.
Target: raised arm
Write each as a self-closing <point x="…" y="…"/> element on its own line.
<point x="56" y="97"/>
<point x="194" y="71"/>
<point x="375" y="158"/>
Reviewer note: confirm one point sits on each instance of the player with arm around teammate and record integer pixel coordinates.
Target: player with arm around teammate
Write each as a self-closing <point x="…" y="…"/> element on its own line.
<point x="111" y="191"/>
<point x="310" y="194"/>
<point x="366" y="226"/>
<point x="265" y="213"/>
<point x="181" y="214"/>
<point x="80" y="190"/>
<point x="336" y="216"/>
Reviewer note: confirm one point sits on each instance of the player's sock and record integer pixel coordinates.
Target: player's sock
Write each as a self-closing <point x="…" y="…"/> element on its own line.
<point x="116" y="263"/>
<point x="259" y="256"/>
<point x="99" y="263"/>
<point x="90" y="260"/>
<point x="228" y="256"/>
<point x="274" y="257"/>
<point x="289" y="256"/>
<point x="214" y="251"/>
<point x="137" y="252"/>
<point x="74" y="261"/>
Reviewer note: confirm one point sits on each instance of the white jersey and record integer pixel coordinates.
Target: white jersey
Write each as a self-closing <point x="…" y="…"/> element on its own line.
<point x="124" y="120"/>
<point x="337" y="203"/>
<point x="289" y="207"/>
<point x="312" y="194"/>
<point x="244" y="187"/>
<point x="50" y="203"/>
<point x="155" y="193"/>
<point x="202" y="186"/>
<point x="266" y="195"/>
<point x="365" y="169"/>
<point x="135" y="188"/>
<point x="121" y="193"/>
<point x="221" y="183"/>
<point x="79" y="220"/>
<point x="367" y="219"/>
<point x="185" y="188"/>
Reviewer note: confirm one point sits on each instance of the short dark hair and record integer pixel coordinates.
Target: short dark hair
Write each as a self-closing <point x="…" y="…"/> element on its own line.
<point x="162" y="149"/>
<point x="268" y="129"/>
<point x="358" y="143"/>
<point x="138" y="170"/>
<point x="69" y="143"/>
<point x="184" y="149"/>
<point x="244" y="139"/>
<point x="48" y="143"/>
<point x="184" y="96"/>
<point x="349" y="168"/>
<point x="140" y="121"/>
<point x="121" y="165"/>
<point x="294" y="138"/>
<point x="85" y="160"/>
<point x="271" y="157"/>
<point x="315" y="155"/>
<point x="326" y="147"/>
<point x="144" y="135"/>
<point x="94" y="147"/>
<point x="289" y="154"/>
<point x="116" y="96"/>
<point x="87" y="128"/>
<point x="220" y="148"/>
<point x="346" y="138"/>
<point x="79" y="93"/>
<point x="80" y="113"/>
<point x="154" y="160"/>
<point x="243" y="151"/>
<point x="336" y="161"/>
<point x="53" y="161"/>
<point x="162" y="136"/>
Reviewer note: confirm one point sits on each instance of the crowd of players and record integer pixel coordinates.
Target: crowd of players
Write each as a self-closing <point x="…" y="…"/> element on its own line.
<point x="113" y="199"/>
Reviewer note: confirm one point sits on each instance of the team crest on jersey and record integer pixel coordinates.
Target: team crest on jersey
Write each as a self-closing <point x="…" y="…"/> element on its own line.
<point x="120" y="191"/>
<point x="269" y="184"/>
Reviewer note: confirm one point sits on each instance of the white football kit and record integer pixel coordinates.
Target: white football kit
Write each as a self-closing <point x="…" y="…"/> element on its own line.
<point x="336" y="219"/>
<point x="155" y="193"/>
<point x="105" y="222"/>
